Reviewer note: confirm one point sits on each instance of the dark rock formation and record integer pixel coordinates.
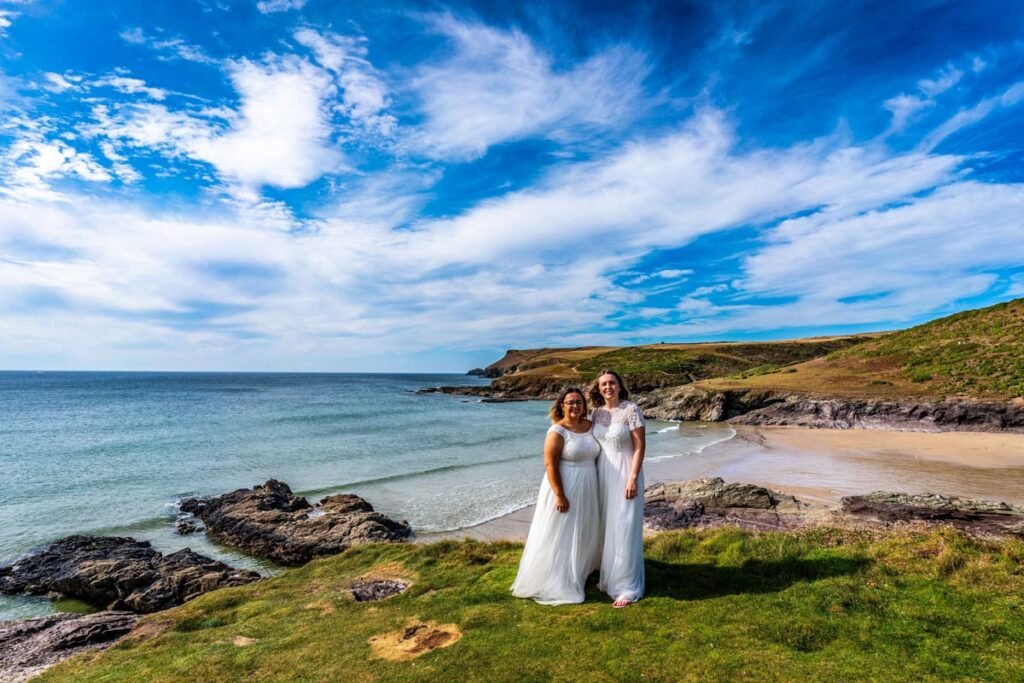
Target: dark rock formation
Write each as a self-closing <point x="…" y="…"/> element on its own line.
<point x="188" y="524"/>
<point x="29" y="646"/>
<point x="477" y="372"/>
<point x="269" y="521"/>
<point x="513" y="388"/>
<point x="775" y="408"/>
<point x="486" y="394"/>
<point x="119" y="574"/>
<point x="375" y="591"/>
<point x="833" y="413"/>
<point x="976" y="516"/>
<point x="704" y="503"/>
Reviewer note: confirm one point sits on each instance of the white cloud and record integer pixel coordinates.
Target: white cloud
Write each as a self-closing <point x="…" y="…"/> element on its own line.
<point x="903" y="108"/>
<point x="169" y="48"/>
<point x="32" y="162"/>
<point x="270" y="6"/>
<point x="282" y="134"/>
<point x="1016" y="287"/>
<point x="968" y="117"/>
<point x="498" y="86"/>
<point x="6" y="19"/>
<point x="279" y="136"/>
<point x="672" y="273"/>
<point x="946" y="79"/>
<point x="364" y="94"/>
<point x="128" y="86"/>
<point x="250" y="286"/>
<point x="57" y="83"/>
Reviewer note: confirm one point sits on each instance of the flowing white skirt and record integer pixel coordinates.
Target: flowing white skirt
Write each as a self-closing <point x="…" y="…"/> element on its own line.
<point x="562" y="548"/>
<point x="622" y="557"/>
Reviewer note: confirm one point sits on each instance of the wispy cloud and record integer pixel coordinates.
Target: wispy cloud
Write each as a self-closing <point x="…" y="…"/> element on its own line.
<point x="272" y="6"/>
<point x="968" y="117"/>
<point x="169" y="47"/>
<point x="364" y="94"/>
<point x="497" y="85"/>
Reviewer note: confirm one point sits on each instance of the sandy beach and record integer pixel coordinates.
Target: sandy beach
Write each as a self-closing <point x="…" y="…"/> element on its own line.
<point x="823" y="465"/>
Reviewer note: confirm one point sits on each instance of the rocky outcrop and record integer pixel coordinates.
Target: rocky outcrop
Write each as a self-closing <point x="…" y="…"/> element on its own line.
<point x="685" y="403"/>
<point x="512" y="388"/>
<point x="775" y="408"/>
<point x="119" y="574"/>
<point x="705" y="503"/>
<point x="270" y="521"/>
<point x="30" y="646"/>
<point x="485" y="394"/>
<point x="939" y="416"/>
<point x="977" y="516"/>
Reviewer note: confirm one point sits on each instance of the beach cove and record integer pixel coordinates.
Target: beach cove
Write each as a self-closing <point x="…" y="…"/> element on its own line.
<point x="823" y="465"/>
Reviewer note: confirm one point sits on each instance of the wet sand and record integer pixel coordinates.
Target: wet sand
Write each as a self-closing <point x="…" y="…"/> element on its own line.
<point x="823" y="465"/>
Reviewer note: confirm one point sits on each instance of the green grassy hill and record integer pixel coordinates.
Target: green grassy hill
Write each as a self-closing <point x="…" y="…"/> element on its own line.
<point x="974" y="354"/>
<point x="726" y="605"/>
<point x="660" y="365"/>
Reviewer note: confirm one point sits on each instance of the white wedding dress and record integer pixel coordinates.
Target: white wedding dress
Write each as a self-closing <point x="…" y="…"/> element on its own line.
<point x="622" y="558"/>
<point x="563" y="548"/>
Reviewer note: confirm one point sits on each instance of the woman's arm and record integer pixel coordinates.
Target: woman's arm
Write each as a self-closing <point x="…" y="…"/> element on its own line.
<point x="639" y="436"/>
<point x="553" y="445"/>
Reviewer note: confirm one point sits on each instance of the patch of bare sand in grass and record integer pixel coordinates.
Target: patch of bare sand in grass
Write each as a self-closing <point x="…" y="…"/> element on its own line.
<point x="243" y="641"/>
<point x="147" y="630"/>
<point x="416" y="639"/>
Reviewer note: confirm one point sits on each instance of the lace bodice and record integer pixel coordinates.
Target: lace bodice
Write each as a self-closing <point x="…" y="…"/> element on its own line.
<point x="612" y="427"/>
<point x="578" y="447"/>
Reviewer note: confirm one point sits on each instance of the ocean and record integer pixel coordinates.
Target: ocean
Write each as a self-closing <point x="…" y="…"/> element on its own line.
<point x="112" y="452"/>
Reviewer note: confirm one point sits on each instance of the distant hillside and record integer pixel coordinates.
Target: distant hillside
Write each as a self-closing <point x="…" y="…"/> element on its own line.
<point x="656" y="365"/>
<point x="974" y="354"/>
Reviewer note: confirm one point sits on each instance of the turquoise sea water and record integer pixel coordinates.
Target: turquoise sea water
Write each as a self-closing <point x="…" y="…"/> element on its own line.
<point x="111" y="453"/>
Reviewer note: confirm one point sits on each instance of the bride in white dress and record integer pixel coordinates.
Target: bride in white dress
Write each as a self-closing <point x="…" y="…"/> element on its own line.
<point x="563" y="546"/>
<point x="619" y="427"/>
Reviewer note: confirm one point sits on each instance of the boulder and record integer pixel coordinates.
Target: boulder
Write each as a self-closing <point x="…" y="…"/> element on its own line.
<point x="270" y="521"/>
<point x="29" y="646"/>
<point x="712" y="502"/>
<point x="119" y="574"/>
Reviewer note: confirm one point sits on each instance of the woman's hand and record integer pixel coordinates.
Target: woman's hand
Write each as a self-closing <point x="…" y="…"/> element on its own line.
<point x="631" y="488"/>
<point x="562" y="504"/>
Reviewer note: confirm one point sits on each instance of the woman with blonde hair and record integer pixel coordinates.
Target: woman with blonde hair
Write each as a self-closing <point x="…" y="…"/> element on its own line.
<point x="619" y="428"/>
<point x="563" y="546"/>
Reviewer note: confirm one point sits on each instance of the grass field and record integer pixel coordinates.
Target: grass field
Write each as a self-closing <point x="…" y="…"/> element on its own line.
<point x="727" y="605"/>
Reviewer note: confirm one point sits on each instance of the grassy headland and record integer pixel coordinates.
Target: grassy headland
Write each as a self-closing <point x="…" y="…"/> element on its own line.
<point x="661" y="365"/>
<point x="728" y="605"/>
<point x="974" y="354"/>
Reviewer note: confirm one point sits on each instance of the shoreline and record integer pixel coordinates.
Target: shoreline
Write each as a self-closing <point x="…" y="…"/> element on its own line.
<point x="823" y="465"/>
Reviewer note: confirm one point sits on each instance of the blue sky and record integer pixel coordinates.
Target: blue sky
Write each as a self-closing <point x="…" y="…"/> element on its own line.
<point x="374" y="186"/>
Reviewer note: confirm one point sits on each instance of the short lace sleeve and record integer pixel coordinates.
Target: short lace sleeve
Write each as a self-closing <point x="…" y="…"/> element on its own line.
<point x="634" y="417"/>
<point x="558" y="429"/>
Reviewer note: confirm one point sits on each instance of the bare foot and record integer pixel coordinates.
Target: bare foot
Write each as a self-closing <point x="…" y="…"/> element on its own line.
<point x="622" y="602"/>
